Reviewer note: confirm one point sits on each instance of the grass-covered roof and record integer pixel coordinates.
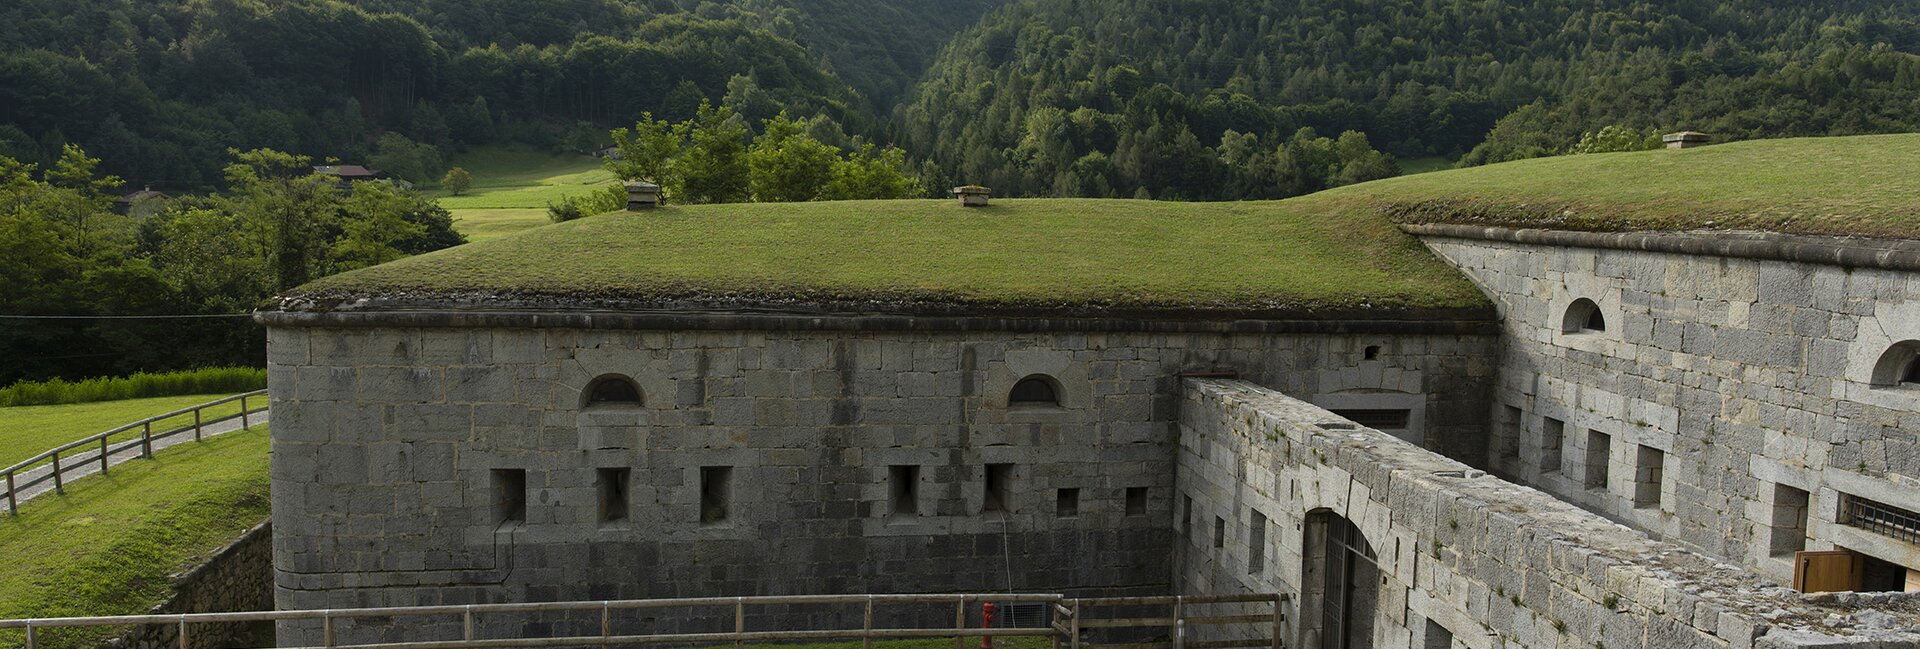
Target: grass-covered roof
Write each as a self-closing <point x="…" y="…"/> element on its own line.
<point x="1300" y="257"/>
<point x="1335" y="254"/>
<point x="1846" y="186"/>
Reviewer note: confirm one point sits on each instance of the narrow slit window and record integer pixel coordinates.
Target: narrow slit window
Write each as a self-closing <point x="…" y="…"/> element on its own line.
<point x="1511" y="424"/>
<point x="1067" y="502"/>
<point x="1599" y="452"/>
<point x="999" y="480"/>
<point x="1649" y="476"/>
<point x="1257" y="544"/>
<point x="1553" y="436"/>
<point x="1438" y="637"/>
<point x="1378" y="419"/>
<point x="612" y="485"/>
<point x="903" y="488"/>
<point x="509" y="496"/>
<point x="1789" y="523"/>
<point x="1136" y="501"/>
<point x="1219" y="532"/>
<point x="1036" y="390"/>
<point x="716" y="494"/>
<point x="1186" y="517"/>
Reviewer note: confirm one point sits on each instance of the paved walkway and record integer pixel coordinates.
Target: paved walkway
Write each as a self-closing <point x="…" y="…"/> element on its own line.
<point x="73" y="472"/>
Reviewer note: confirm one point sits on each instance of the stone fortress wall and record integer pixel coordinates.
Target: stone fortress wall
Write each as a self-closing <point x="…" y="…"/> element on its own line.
<point x="1458" y="558"/>
<point x="422" y="464"/>
<point x="1737" y="405"/>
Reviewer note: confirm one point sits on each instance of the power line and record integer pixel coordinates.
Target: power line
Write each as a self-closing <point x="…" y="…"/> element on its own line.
<point x="125" y="317"/>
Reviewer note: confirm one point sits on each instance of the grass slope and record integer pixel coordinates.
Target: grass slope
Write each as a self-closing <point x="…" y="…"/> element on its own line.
<point x="512" y="186"/>
<point x="108" y="546"/>
<point x="1290" y="255"/>
<point x="26" y="431"/>
<point x="1828" y="186"/>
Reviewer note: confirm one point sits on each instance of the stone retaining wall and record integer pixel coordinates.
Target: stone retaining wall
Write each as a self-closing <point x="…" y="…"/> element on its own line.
<point x="1464" y="559"/>
<point x="237" y="578"/>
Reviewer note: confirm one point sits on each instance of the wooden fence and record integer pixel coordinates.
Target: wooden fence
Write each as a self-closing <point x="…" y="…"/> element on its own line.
<point x="100" y="449"/>
<point x="1262" y="628"/>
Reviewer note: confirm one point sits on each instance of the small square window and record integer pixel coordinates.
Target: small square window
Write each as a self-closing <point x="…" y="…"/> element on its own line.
<point x="1067" y="503"/>
<point x="1136" y="501"/>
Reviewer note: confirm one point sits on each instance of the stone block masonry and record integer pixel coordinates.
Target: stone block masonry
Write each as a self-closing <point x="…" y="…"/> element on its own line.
<point x="236" y="578"/>
<point x="1744" y="378"/>
<point x="1388" y="545"/>
<point x="447" y="464"/>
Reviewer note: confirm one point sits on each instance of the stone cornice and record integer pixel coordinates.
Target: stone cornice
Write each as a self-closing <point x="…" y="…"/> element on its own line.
<point x="1849" y="252"/>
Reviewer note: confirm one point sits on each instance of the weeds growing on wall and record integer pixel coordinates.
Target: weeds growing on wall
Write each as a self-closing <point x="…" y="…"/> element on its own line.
<point x="209" y="380"/>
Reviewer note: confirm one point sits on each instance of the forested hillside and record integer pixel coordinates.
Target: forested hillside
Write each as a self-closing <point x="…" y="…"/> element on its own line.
<point x="1194" y="99"/>
<point x="160" y="89"/>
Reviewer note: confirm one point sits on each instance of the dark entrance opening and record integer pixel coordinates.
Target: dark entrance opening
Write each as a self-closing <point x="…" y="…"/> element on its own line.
<point x="1342" y="584"/>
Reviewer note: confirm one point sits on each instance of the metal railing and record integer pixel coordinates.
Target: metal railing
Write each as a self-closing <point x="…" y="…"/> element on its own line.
<point x="100" y="449"/>
<point x="470" y="615"/>
<point x="1882" y="519"/>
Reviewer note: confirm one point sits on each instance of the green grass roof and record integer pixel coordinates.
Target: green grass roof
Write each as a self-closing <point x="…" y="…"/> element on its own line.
<point x="1293" y="257"/>
<point x="1333" y="254"/>
<point x="1848" y="186"/>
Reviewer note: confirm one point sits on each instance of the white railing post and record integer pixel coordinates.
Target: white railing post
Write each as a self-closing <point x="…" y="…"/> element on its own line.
<point x="183" y="632"/>
<point x="866" y="629"/>
<point x="466" y="623"/>
<point x="739" y="621"/>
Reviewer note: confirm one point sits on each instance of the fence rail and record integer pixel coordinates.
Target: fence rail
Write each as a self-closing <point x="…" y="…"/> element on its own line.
<point x="470" y="614"/>
<point x="100" y="449"/>
<point x="1070" y="619"/>
<point x="1064" y="627"/>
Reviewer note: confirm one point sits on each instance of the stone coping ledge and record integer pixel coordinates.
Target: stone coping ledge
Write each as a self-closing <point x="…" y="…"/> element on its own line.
<point x="1848" y="252"/>
<point x="1443" y="323"/>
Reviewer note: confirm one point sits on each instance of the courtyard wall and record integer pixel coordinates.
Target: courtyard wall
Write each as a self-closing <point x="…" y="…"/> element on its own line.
<point x="392" y="439"/>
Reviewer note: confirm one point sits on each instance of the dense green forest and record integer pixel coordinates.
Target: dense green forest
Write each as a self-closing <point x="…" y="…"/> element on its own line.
<point x="160" y="89"/>
<point x="1113" y="97"/>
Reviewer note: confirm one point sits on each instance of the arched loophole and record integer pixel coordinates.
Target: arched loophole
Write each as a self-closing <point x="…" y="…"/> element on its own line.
<point x="1373" y="352"/>
<point x="613" y="390"/>
<point x="1036" y="390"/>
<point x="1899" y="367"/>
<point x="1583" y="316"/>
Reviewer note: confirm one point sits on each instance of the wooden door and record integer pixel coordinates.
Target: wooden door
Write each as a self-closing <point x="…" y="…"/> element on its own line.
<point x="1826" y="572"/>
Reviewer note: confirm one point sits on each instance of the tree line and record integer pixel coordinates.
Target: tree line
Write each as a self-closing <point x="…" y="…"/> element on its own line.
<point x="68" y="257"/>
<point x="1111" y="97"/>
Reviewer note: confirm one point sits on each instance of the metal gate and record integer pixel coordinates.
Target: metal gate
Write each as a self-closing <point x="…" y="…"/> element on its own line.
<point x="1190" y="622"/>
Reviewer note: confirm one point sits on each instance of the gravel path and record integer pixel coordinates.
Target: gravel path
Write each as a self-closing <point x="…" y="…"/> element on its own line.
<point x="73" y="471"/>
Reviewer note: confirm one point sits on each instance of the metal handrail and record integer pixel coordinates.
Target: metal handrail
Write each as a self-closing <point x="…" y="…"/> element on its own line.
<point x="106" y="448"/>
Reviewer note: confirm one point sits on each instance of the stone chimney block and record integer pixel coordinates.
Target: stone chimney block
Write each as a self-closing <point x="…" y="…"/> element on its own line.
<point x="642" y="196"/>
<point x="973" y="195"/>
<point x="1685" y="140"/>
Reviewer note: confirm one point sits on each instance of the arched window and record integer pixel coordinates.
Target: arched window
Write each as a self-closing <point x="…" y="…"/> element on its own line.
<point x="1036" y="390"/>
<point x="612" y="390"/>
<point x="1899" y="367"/>
<point x="1583" y="316"/>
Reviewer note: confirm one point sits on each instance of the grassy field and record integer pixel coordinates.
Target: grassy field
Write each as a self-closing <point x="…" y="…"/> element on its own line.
<point x="107" y="547"/>
<point x="1412" y="166"/>
<point x="26" y="431"/>
<point x="1843" y="186"/>
<point x="1293" y="256"/>
<point x="512" y="186"/>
